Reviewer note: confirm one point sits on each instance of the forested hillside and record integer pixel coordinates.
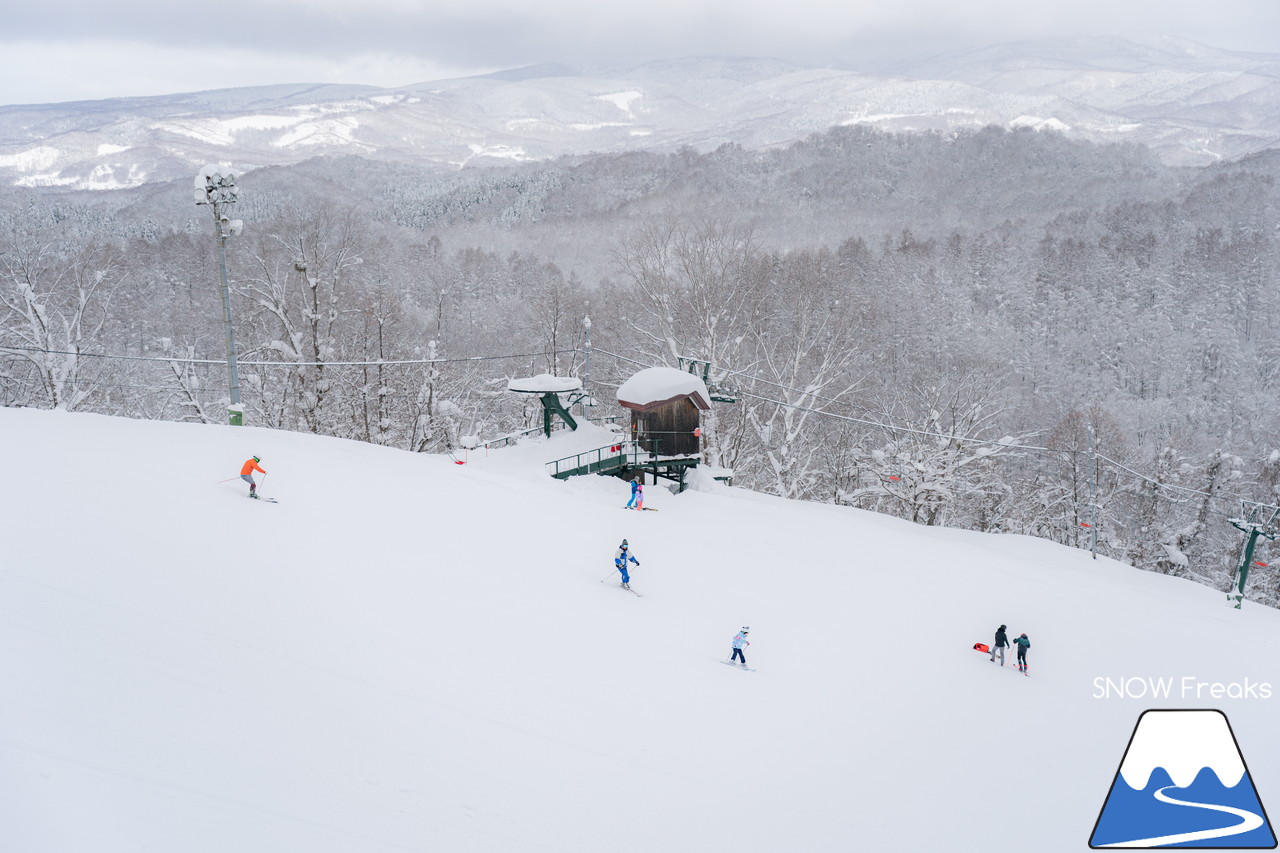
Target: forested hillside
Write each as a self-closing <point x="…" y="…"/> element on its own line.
<point x="926" y="325"/>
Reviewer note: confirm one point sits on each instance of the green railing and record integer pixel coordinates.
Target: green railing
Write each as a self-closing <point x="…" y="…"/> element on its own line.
<point x="610" y="458"/>
<point x="512" y="438"/>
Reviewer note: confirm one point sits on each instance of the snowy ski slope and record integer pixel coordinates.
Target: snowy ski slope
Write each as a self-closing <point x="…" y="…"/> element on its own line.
<point x="409" y="654"/>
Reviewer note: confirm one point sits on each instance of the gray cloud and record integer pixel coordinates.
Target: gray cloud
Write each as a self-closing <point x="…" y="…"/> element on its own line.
<point x="66" y="49"/>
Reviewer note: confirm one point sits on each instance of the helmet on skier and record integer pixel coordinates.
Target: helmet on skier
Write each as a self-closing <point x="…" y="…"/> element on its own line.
<point x="624" y="543"/>
<point x="256" y="459"/>
<point x="1024" y="635"/>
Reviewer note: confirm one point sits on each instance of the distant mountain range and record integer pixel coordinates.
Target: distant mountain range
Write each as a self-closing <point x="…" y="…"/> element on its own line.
<point x="1191" y="104"/>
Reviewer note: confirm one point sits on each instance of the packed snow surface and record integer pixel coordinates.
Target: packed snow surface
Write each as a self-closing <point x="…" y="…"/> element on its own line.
<point x="407" y="654"/>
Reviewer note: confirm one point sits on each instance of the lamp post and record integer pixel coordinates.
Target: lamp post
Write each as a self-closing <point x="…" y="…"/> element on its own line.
<point x="586" y="368"/>
<point x="218" y="190"/>
<point x="1093" y="494"/>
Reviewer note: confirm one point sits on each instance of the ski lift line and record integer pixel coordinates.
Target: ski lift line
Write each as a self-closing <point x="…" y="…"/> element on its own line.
<point x="851" y="418"/>
<point x="912" y="430"/>
<point x="1026" y="447"/>
<point x="207" y="393"/>
<point x="286" y="363"/>
<point x="848" y="418"/>
<point x="24" y="381"/>
<point x="1034" y="448"/>
<point x="750" y="376"/>
<point x="596" y="349"/>
<point x="1232" y="499"/>
<point x="1185" y="489"/>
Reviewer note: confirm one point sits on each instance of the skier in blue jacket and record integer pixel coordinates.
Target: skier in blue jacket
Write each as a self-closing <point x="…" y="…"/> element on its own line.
<point x="620" y="562"/>
<point x="740" y="641"/>
<point x="637" y="495"/>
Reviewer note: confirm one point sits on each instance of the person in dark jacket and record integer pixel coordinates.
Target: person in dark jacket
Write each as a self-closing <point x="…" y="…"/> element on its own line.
<point x="1001" y="643"/>
<point x="1023" y="644"/>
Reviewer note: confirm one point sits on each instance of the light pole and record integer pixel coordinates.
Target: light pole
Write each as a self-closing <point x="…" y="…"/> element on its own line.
<point x="586" y="368"/>
<point x="218" y="190"/>
<point x="1093" y="494"/>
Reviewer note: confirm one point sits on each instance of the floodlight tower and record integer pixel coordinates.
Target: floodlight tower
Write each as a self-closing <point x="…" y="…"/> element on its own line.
<point x="218" y="190"/>
<point x="587" y="402"/>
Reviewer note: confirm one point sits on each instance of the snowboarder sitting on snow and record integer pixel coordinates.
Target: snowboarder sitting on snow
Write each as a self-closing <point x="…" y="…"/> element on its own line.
<point x="1023" y="644"/>
<point x="246" y="474"/>
<point x="1002" y="641"/>
<point x="739" y="641"/>
<point x="637" y="494"/>
<point x="620" y="562"/>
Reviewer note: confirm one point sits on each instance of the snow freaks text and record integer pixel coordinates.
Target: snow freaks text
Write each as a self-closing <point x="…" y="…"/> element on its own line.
<point x="1186" y="687"/>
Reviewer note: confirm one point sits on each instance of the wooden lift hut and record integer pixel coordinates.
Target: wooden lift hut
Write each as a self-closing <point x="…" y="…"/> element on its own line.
<point x="666" y="419"/>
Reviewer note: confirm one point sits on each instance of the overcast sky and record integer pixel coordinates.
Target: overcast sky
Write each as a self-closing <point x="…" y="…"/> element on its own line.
<point x="60" y="50"/>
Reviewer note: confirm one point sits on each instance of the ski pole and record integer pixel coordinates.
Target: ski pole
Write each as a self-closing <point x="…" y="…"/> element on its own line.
<point x="228" y="480"/>
<point x="611" y="574"/>
<point x="264" y="477"/>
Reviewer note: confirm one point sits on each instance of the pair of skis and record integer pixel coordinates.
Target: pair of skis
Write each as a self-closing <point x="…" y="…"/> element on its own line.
<point x="737" y="665"/>
<point x="630" y="590"/>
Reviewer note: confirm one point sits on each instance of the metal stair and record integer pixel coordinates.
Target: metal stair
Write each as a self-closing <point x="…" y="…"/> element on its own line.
<point x="602" y="460"/>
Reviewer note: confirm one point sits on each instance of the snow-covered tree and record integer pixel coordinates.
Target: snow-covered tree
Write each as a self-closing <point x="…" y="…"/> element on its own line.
<point x="56" y="303"/>
<point x="941" y="448"/>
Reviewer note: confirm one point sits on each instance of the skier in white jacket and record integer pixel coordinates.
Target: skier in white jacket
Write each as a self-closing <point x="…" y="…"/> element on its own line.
<point x="740" y="642"/>
<point x="620" y="563"/>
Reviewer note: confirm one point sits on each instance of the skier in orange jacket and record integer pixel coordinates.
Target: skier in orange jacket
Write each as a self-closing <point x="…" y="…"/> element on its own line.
<point x="246" y="474"/>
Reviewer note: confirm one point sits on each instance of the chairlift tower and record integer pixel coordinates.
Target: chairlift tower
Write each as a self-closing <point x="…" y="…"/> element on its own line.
<point x="218" y="191"/>
<point x="702" y="369"/>
<point x="1258" y="520"/>
<point x="550" y="390"/>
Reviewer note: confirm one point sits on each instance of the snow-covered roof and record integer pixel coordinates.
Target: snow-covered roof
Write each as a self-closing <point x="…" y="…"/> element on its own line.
<point x="656" y="386"/>
<point x="544" y="383"/>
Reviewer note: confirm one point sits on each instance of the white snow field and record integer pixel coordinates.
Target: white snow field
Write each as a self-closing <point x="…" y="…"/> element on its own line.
<point x="407" y="654"/>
